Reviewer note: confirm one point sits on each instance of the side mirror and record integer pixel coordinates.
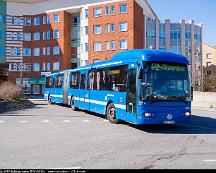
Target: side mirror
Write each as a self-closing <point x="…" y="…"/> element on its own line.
<point x="192" y="93"/>
<point x="140" y="73"/>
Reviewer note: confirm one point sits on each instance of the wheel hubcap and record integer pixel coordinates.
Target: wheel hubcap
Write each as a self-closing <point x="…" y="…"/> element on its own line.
<point x="112" y="113"/>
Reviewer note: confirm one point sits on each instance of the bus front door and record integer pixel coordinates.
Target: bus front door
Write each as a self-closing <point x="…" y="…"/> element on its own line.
<point x="83" y="92"/>
<point x="131" y="106"/>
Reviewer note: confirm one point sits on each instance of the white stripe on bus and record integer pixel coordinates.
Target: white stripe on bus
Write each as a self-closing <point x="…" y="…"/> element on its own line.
<point x="119" y="106"/>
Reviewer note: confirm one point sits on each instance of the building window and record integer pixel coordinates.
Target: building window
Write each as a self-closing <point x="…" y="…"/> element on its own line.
<point x="37" y="36"/>
<point x="37" y="21"/>
<point x="123" y="44"/>
<point x="26" y="52"/>
<point x="97" y="29"/>
<point x="15" y="36"/>
<point x="97" y="47"/>
<point x="107" y="27"/>
<point x="44" y="36"/>
<point x="113" y="45"/>
<point x="48" y="19"/>
<point x="97" y="12"/>
<point x="208" y="56"/>
<point x="123" y="26"/>
<point x="27" y="21"/>
<point x="48" y="50"/>
<point x="48" y="35"/>
<point x="36" y="67"/>
<point x="107" y="10"/>
<point x="112" y="10"/>
<point x="44" y="67"/>
<point x="55" y="66"/>
<point x="27" y="36"/>
<point x="86" y="30"/>
<point x="208" y="64"/>
<point x="15" y="20"/>
<point x="86" y="13"/>
<point x="56" y="18"/>
<point x="112" y="27"/>
<point x="86" y="47"/>
<point x="107" y="45"/>
<point x="48" y="66"/>
<point x="1" y="19"/>
<point x="15" y="51"/>
<point x="44" y="50"/>
<point x="44" y="19"/>
<point x="13" y="67"/>
<point x="27" y="67"/>
<point x="123" y="8"/>
<point x="55" y="50"/>
<point x="56" y="33"/>
<point x="36" y="51"/>
<point x="36" y="89"/>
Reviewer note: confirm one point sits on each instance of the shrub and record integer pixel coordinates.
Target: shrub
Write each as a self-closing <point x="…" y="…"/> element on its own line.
<point x="9" y="91"/>
<point x="209" y="83"/>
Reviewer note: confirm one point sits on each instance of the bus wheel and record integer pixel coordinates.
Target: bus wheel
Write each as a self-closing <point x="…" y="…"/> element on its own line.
<point x="111" y="113"/>
<point x="49" y="100"/>
<point x="73" y="106"/>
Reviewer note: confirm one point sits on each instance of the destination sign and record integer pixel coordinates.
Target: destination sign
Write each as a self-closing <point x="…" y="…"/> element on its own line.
<point x="168" y="67"/>
<point x="114" y="72"/>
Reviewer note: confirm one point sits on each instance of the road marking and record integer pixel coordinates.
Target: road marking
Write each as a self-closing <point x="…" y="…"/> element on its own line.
<point x="2" y="121"/>
<point x="105" y="120"/>
<point x="45" y="121"/>
<point x="68" y="168"/>
<point x="66" y="121"/>
<point x="209" y="160"/>
<point x="86" y="121"/>
<point x="23" y="121"/>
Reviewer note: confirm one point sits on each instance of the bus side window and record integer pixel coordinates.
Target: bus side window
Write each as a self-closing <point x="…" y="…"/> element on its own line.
<point x="118" y="78"/>
<point x="74" y="80"/>
<point x="91" y="80"/>
<point x="83" y="81"/>
<point x="59" y="81"/>
<point x="49" y="82"/>
<point x="54" y="82"/>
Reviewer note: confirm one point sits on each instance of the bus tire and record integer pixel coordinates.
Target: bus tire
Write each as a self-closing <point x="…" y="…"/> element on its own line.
<point x="111" y="113"/>
<point x="49" y="100"/>
<point x="72" y="104"/>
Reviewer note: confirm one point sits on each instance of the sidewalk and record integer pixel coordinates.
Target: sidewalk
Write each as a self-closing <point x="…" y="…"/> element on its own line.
<point x="203" y="108"/>
<point x="38" y="98"/>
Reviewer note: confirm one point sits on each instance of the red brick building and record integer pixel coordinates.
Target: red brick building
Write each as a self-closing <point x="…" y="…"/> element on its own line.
<point x="49" y="36"/>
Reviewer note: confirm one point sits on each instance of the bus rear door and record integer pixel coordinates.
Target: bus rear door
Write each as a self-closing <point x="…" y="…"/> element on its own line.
<point x="83" y="92"/>
<point x="65" y="87"/>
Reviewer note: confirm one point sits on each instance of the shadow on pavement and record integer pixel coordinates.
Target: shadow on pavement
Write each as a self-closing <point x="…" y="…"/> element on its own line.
<point x="198" y="125"/>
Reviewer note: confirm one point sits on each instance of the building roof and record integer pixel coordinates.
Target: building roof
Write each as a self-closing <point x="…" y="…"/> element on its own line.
<point x="214" y="47"/>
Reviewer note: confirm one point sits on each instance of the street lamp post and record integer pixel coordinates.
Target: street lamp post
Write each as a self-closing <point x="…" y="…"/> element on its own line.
<point x="21" y="74"/>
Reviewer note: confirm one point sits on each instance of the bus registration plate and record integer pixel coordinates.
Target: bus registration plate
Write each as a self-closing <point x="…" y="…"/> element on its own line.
<point x="169" y="122"/>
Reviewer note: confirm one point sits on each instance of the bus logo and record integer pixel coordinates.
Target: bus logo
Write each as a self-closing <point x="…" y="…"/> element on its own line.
<point x="169" y="116"/>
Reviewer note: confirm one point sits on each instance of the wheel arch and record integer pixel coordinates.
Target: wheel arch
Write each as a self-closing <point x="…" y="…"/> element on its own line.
<point x="110" y="101"/>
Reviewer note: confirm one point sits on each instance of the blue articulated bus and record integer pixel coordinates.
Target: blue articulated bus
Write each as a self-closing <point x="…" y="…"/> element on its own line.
<point x="136" y="86"/>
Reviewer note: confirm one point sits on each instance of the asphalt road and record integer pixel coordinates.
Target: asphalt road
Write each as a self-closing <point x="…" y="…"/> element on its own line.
<point x="52" y="136"/>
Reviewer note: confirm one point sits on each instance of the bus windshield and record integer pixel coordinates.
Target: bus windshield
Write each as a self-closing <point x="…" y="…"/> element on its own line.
<point x="163" y="82"/>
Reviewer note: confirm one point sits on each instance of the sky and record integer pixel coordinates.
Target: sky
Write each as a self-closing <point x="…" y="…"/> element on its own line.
<point x="201" y="11"/>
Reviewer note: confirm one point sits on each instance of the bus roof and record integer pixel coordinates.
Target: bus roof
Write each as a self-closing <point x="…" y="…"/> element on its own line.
<point x="140" y="55"/>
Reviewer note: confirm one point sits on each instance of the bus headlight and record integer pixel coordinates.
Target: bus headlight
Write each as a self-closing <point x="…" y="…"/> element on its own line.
<point x="187" y="114"/>
<point x="148" y="114"/>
